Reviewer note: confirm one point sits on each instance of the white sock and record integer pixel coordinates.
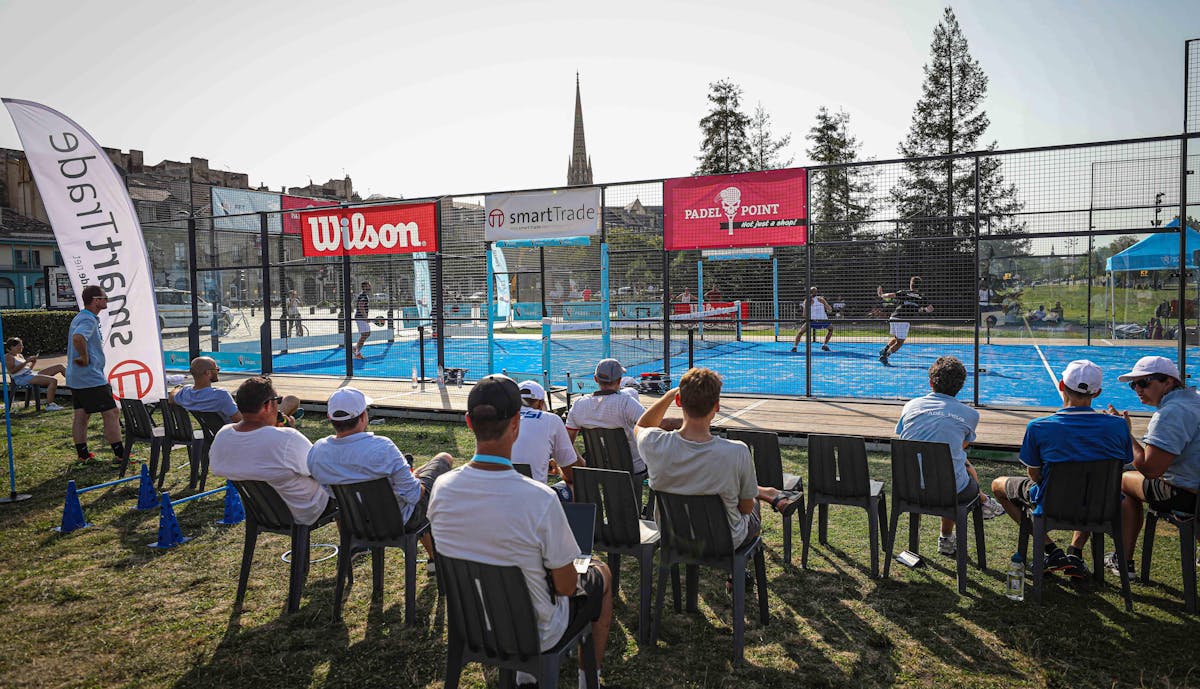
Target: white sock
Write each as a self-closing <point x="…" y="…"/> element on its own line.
<point x="525" y="678"/>
<point x="583" y="678"/>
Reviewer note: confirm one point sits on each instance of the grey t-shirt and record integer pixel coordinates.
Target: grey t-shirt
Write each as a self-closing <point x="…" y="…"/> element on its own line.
<point x="1175" y="428"/>
<point x="717" y="467"/>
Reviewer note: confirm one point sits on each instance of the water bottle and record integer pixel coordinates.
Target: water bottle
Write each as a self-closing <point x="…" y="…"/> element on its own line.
<point x="414" y="378"/>
<point x="1015" y="584"/>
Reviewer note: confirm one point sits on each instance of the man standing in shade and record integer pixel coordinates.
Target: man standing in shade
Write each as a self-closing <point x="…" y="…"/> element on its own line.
<point x="362" y="318"/>
<point x="909" y="304"/>
<point x="90" y="391"/>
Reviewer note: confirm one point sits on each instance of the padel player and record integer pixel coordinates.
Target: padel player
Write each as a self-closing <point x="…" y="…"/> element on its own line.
<point x="909" y="304"/>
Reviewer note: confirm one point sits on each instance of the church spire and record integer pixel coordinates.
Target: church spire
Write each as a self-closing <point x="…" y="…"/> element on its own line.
<point x="579" y="167"/>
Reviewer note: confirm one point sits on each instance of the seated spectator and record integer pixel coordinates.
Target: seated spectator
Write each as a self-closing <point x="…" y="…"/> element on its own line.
<point x="629" y="386"/>
<point x="1058" y="311"/>
<point x="940" y="418"/>
<point x="21" y="370"/>
<point x="1038" y="315"/>
<point x="253" y="449"/>
<point x="1075" y="433"/>
<point x="486" y="512"/>
<point x="1167" y="460"/>
<point x="692" y="461"/>
<point x="201" y="395"/>
<point x="543" y="438"/>
<point x="353" y="454"/>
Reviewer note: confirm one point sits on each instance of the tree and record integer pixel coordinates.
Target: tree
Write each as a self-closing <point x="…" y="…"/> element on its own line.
<point x="938" y="197"/>
<point x="764" y="147"/>
<point x="841" y="195"/>
<point x="725" y="145"/>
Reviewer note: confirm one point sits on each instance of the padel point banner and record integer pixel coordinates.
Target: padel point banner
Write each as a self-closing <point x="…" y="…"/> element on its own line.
<point x="100" y="240"/>
<point x="727" y="211"/>
<point x="404" y="228"/>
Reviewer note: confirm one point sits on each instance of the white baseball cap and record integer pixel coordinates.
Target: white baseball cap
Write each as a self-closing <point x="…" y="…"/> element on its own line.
<point x="530" y="391"/>
<point x="347" y="403"/>
<point x="1149" y="365"/>
<point x="1083" y="376"/>
<point x="628" y="382"/>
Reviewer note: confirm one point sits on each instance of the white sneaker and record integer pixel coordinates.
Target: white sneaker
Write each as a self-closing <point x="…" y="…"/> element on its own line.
<point x="947" y="545"/>
<point x="53" y="407"/>
<point x="992" y="509"/>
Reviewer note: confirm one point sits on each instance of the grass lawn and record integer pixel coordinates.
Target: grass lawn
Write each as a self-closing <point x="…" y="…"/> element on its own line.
<point x="98" y="608"/>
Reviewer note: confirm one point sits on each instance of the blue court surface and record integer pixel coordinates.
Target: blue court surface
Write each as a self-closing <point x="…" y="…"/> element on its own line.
<point x="1016" y="374"/>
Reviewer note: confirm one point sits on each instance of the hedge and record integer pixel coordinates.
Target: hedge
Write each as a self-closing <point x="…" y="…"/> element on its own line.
<point x="41" y="331"/>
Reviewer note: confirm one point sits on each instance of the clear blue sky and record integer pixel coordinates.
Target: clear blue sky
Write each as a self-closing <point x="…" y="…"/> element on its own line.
<point x="430" y="98"/>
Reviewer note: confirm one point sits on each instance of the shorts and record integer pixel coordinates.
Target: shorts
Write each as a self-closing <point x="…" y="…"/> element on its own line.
<point x="971" y="492"/>
<point x="1163" y="497"/>
<point x="898" y="329"/>
<point x="818" y="325"/>
<point x="364" y="326"/>
<point x="92" y="400"/>
<point x="23" y="378"/>
<point x="585" y="602"/>
<point x="428" y="473"/>
<point x="1016" y="489"/>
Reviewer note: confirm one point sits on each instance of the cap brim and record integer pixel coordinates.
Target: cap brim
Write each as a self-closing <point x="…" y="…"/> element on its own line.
<point x="1133" y="375"/>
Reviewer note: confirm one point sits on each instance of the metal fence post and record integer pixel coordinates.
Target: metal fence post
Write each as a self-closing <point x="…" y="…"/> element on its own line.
<point x="347" y="302"/>
<point x="194" y="326"/>
<point x="1183" y="263"/>
<point x="264" y="331"/>
<point x="978" y="312"/>
<point x="438" y="293"/>
<point x="807" y="285"/>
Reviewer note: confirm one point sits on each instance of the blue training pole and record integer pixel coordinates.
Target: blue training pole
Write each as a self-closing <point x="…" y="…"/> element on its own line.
<point x="13" y="495"/>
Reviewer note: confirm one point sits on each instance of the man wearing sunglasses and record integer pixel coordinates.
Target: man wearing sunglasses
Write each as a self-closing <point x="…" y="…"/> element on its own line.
<point x="90" y="391"/>
<point x="1167" y="460"/>
<point x="201" y="395"/>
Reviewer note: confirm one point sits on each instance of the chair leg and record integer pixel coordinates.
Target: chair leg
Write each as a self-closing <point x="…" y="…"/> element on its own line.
<point x="1024" y="528"/>
<point x="883" y="522"/>
<point x="549" y="665"/>
<point x="614" y="566"/>
<point x="165" y="456"/>
<point x="960" y="556"/>
<point x="203" y="468"/>
<point x="1148" y="544"/>
<point x="247" y="561"/>
<point x="454" y="655"/>
<point x="914" y="532"/>
<point x="760" y="582"/>
<point x="508" y="678"/>
<point x="377" y="560"/>
<point x="873" y="527"/>
<point x="299" y="568"/>
<point x="1123" y="564"/>
<point x="807" y="526"/>
<point x="156" y="449"/>
<point x="891" y="541"/>
<point x="823" y="524"/>
<point x="693" y="586"/>
<point x="787" y="536"/>
<point x="980" y="543"/>
<point x="343" y="571"/>
<point x="739" y="607"/>
<point x="128" y="443"/>
<point x="646" y="574"/>
<point x="410" y="579"/>
<point x="1038" y="556"/>
<point x="1187" y="551"/>
<point x="194" y="467"/>
<point x="587" y="657"/>
<point x="660" y="598"/>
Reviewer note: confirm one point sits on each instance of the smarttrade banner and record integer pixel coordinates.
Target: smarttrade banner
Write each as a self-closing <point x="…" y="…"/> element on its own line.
<point x="404" y="228"/>
<point x="239" y="203"/>
<point x="729" y="211"/>
<point x="542" y="214"/>
<point x="100" y="240"/>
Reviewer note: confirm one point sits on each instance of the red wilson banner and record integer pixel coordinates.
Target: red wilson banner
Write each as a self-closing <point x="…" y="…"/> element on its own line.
<point x="291" y="221"/>
<point x="404" y="228"/>
<point x="728" y="211"/>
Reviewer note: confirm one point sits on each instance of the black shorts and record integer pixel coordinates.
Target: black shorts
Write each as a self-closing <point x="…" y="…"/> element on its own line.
<point x="971" y="492"/>
<point x="427" y="474"/>
<point x="92" y="400"/>
<point x="1016" y="489"/>
<point x="1163" y="497"/>
<point x="586" y="601"/>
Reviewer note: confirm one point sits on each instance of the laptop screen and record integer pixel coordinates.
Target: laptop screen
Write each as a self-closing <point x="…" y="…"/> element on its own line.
<point x="582" y="518"/>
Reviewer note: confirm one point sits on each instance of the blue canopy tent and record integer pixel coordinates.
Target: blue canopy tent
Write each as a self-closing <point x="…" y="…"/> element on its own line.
<point x="1156" y="252"/>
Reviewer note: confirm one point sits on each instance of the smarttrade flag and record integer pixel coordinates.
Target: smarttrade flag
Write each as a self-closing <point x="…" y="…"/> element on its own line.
<point x="766" y="208"/>
<point x="404" y="228"/>
<point x="100" y="240"/>
<point x="542" y="214"/>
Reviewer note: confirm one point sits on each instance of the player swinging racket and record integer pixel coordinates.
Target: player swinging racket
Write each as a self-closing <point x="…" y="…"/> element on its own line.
<point x="818" y="317"/>
<point x="362" y="319"/>
<point x="909" y="304"/>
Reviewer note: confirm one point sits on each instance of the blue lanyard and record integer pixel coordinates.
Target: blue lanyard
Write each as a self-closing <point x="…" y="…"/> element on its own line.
<point x="492" y="459"/>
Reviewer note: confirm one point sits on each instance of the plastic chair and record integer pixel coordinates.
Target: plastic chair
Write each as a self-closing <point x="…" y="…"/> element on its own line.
<point x="370" y="517"/>
<point x="210" y="422"/>
<point x="28" y="392"/>
<point x="923" y="483"/>
<point x="768" y="466"/>
<point x="1186" y="523"/>
<point x="608" y="448"/>
<point x="490" y="620"/>
<point x="523" y="469"/>
<point x="621" y="531"/>
<point x="139" y="427"/>
<point x="1078" y="496"/>
<point x="695" y="533"/>
<point x="177" y="427"/>
<point x="838" y="475"/>
<point x="266" y="511"/>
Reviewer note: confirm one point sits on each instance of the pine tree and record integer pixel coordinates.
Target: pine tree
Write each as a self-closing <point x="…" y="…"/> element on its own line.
<point x="725" y="146"/>
<point x="765" y="149"/>
<point x="939" y="196"/>
<point x="841" y="196"/>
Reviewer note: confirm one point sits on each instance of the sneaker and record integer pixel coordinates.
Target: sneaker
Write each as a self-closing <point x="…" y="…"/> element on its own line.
<point x="1057" y="561"/>
<point x="86" y="461"/>
<point x="53" y="407"/>
<point x="431" y="568"/>
<point x="1110" y="563"/>
<point x="793" y="349"/>
<point x="992" y="509"/>
<point x="947" y="545"/>
<point x="1075" y="568"/>
<point x="883" y="359"/>
<point x="825" y="348"/>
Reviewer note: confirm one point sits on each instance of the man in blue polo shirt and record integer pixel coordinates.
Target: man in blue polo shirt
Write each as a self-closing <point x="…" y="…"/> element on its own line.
<point x="90" y="391"/>
<point x="1075" y="433"/>
<point x="202" y="396"/>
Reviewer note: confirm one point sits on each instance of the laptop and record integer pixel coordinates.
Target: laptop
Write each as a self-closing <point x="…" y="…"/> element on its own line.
<point x="582" y="518"/>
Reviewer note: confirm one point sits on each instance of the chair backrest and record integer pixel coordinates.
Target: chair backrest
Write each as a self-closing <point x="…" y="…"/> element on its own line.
<point x="616" y="505"/>
<point x="176" y="423"/>
<point x="923" y="474"/>
<point x="1082" y="492"/>
<point x="694" y="526"/>
<point x="264" y="507"/>
<point x="525" y="470"/>
<point x="607" y="448"/>
<point x="138" y="423"/>
<point x="368" y="511"/>
<point x="837" y="466"/>
<point x="489" y="608"/>
<point x="210" y="422"/>
<point x="764" y="448"/>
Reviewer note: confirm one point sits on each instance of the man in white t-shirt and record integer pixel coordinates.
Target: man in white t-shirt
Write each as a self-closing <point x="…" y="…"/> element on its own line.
<point x="486" y="512"/>
<point x="818" y="311"/>
<point x="254" y="449"/>
<point x="692" y="461"/>
<point x="543" y="438"/>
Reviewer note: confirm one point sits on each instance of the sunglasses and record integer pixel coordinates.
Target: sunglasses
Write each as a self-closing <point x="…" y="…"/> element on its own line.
<point x="1143" y="383"/>
<point x="276" y="400"/>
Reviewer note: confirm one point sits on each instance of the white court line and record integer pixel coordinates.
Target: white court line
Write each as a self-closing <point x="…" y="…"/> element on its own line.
<point x="1110" y="344"/>
<point x="743" y="410"/>
<point x="1053" y="378"/>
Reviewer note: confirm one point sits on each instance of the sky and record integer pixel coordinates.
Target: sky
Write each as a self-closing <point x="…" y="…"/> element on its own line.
<point x="420" y="98"/>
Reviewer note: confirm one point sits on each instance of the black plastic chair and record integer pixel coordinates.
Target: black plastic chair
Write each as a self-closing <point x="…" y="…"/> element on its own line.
<point x="370" y="517"/>
<point x="608" y="448"/>
<point x="177" y="427"/>
<point x="695" y="533"/>
<point x="838" y="475"/>
<point x="139" y="427"/>
<point x="266" y="511"/>
<point x="621" y="531"/>
<point x="768" y="466"/>
<point x="523" y="469"/>
<point x="923" y="483"/>
<point x="1186" y="523"/>
<point x="30" y="392"/>
<point x="490" y="620"/>
<point x="210" y="422"/>
<point x="1078" y="496"/>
